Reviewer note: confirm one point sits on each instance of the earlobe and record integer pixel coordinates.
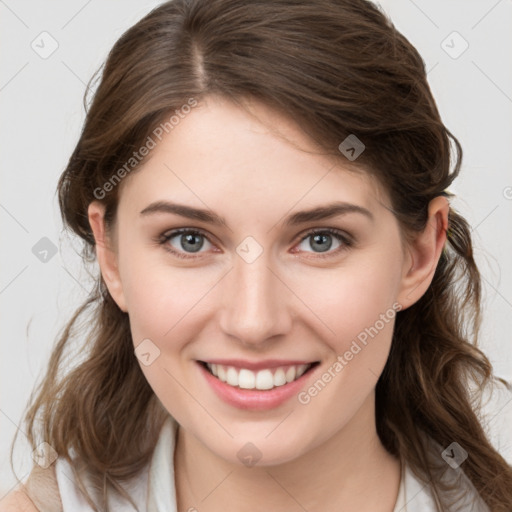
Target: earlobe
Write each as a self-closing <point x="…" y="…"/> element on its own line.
<point x="425" y="251"/>
<point x="106" y="254"/>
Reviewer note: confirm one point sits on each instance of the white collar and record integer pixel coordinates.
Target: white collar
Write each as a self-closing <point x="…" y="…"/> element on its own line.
<point x="161" y="488"/>
<point x="157" y="492"/>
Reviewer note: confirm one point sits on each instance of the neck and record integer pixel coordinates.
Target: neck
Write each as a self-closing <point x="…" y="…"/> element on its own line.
<point x="351" y="468"/>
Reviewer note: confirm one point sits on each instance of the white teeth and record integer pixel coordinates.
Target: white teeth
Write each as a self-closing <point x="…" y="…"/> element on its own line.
<point x="246" y="379"/>
<point x="279" y="377"/>
<point x="300" y="370"/>
<point x="221" y="373"/>
<point x="290" y="374"/>
<point x="262" y="379"/>
<point x="232" y="376"/>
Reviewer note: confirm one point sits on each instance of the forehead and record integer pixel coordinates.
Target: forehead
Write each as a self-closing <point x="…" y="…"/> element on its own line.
<point x="244" y="158"/>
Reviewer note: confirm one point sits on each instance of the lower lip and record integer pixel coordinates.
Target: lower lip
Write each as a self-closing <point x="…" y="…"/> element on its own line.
<point x="254" y="399"/>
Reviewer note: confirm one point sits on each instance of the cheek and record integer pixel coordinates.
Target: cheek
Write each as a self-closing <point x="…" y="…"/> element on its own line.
<point x="165" y="307"/>
<point x="158" y="301"/>
<point x="158" y="295"/>
<point x="353" y="298"/>
<point x="359" y="304"/>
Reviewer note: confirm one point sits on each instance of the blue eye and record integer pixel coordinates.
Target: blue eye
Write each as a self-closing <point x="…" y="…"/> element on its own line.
<point x="186" y="242"/>
<point x="323" y="241"/>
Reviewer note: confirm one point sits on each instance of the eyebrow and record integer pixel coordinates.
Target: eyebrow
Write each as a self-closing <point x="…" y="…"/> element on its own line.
<point x="319" y="213"/>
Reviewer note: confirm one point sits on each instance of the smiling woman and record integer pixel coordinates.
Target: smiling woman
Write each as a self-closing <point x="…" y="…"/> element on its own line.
<point x="287" y="307"/>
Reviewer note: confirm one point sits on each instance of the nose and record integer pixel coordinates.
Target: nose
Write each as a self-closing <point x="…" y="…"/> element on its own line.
<point x="255" y="303"/>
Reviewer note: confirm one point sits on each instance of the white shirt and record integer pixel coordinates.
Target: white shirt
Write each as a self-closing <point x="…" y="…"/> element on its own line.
<point x="154" y="489"/>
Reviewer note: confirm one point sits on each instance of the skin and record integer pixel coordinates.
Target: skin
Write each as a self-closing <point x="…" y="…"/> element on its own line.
<point x="290" y="303"/>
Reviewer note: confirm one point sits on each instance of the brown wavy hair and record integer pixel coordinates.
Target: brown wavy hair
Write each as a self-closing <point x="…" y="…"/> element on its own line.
<point x="336" y="67"/>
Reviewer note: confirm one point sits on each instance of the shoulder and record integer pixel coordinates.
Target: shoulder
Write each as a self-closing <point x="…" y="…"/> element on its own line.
<point x="40" y="493"/>
<point x="17" y="501"/>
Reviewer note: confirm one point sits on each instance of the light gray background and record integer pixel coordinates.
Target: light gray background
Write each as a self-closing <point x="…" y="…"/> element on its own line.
<point x="42" y="113"/>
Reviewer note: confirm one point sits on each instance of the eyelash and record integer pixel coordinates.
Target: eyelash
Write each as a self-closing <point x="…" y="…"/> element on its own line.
<point x="346" y="241"/>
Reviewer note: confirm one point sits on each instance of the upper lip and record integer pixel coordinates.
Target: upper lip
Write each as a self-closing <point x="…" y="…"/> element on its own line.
<point x="258" y="365"/>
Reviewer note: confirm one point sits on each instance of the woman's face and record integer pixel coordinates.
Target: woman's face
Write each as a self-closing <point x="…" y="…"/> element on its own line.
<point x="253" y="290"/>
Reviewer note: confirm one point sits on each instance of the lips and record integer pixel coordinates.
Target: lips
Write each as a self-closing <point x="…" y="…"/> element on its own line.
<point x="256" y="386"/>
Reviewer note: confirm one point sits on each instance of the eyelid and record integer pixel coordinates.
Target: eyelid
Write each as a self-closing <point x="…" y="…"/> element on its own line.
<point x="166" y="235"/>
<point x="333" y="231"/>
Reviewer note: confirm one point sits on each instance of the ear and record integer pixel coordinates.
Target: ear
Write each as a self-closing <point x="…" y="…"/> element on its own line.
<point x="106" y="254"/>
<point x="424" y="253"/>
